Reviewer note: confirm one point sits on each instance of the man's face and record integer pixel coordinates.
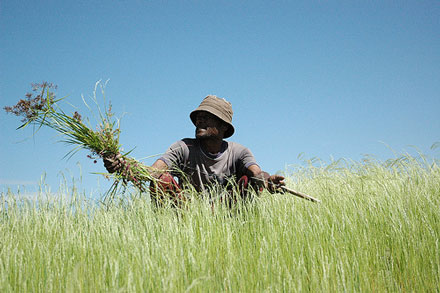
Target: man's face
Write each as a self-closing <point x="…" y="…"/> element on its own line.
<point x="209" y="126"/>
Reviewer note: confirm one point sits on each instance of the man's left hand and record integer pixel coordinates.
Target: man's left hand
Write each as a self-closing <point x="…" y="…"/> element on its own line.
<point x="271" y="182"/>
<point x="274" y="182"/>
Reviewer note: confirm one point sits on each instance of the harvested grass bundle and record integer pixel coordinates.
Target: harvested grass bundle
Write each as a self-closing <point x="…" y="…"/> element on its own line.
<point x="40" y="108"/>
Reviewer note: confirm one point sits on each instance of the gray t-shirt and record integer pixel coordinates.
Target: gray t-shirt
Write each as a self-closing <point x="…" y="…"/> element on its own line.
<point x="203" y="170"/>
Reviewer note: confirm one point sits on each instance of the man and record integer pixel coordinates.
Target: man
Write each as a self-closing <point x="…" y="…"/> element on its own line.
<point x="209" y="160"/>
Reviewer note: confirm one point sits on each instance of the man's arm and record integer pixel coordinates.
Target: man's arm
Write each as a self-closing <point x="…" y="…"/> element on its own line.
<point x="116" y="162"/>
<point x="253" y="171"/>
<point x="159" y="168"/>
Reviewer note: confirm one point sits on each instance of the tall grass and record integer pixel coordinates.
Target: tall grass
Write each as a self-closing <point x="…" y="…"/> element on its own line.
<point x="377" y="229"/>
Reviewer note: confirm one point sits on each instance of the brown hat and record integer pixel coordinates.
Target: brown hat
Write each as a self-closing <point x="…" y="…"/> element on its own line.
<point x="218" y="107"/>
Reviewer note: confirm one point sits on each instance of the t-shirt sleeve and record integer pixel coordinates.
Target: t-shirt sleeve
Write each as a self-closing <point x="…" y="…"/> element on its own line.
<point x="174" y="157"/>
<point x="246" y="159"/>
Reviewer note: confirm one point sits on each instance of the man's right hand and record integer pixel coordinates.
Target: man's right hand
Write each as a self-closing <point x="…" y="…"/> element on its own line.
<point x="113" y="163"/>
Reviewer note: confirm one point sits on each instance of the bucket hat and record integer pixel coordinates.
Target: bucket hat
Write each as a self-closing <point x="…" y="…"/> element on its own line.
<point x="218" y="107"/>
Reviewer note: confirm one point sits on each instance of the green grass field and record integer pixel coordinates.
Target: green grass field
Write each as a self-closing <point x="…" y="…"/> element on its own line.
<point x="377" y="229"/>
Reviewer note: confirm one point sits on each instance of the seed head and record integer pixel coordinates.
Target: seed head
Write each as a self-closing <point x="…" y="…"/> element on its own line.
<point x="77" y="116"/>
<point x="30" y="107"/>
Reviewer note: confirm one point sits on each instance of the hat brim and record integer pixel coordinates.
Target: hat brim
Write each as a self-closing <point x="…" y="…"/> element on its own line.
<point x="228" y="133"/>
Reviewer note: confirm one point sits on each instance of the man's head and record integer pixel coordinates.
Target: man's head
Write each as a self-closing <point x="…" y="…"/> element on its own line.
<point x="213" y="112"/>
<point x="209" y="126"/>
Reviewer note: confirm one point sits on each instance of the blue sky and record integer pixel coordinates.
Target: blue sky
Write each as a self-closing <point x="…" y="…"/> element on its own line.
<point x="323" y="78"/>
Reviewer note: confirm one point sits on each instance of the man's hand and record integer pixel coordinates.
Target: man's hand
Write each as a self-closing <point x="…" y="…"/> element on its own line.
<point x="113" y="163"/>
<point x="258" y="181"/>
<point x="261" y="179"/>
<point x="274" y="182"/>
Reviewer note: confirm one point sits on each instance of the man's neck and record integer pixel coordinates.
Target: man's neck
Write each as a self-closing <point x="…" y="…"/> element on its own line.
<point x="211" y="145"/>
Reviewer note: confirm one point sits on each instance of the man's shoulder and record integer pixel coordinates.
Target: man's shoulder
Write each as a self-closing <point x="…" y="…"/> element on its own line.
<point x="189" y="142"/>
<point x="181" y="144"/>
<point x="186" y="143"/>
<point x="182" y="147"/>
<point x="235" y="146"/>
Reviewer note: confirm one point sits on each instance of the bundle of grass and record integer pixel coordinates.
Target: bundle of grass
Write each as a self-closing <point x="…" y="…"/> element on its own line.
<point x="41" y="108"/>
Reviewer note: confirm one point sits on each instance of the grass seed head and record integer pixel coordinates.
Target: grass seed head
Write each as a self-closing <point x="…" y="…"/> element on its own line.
<point x="30" y="107"/>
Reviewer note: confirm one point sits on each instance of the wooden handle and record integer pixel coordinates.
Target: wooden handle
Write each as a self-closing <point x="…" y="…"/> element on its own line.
<point x="300" y="194"/>
<point x="286" y="189"/>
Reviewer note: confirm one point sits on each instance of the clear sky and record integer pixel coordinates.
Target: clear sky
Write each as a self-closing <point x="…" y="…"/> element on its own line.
<point x="325" y="78"/>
